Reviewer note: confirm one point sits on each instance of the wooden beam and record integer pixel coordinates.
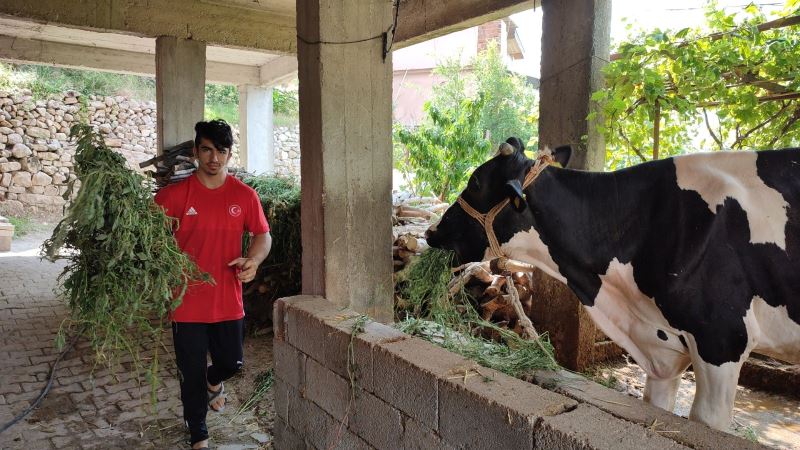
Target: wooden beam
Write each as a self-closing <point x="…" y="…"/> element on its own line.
<point x="34" y="51"/>
<point x="216" y="23"/>
<point x="421" y="20"/>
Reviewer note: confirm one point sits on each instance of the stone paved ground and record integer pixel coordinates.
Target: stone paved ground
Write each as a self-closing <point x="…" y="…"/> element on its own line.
<point x="94" y="410"/>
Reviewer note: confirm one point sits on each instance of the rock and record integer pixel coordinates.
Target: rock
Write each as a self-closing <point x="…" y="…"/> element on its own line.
<point x="37" y="189"/>
<point x="50" y="170"/>
<point x="70" y="100"/>
<point x="5" y="180"/>
<point x="21" y="151"/>
<point x="105" y="128"/>
<point x="11" y="166"/>
<point x="38" y="132"/>
<point x="115" y="143"/>
<point x="14" y="138"/>
<point x="31" y="164"/>
<point x="68" y="117"/>
<point x="59" y="178"/>
<point x="12" y="208"/>
<point x="6" y="130"/>
<point x="22" y="179"/>
<point x="41" y="179"/>
<point x="51" y="191"/>
<point x="262" y="438"/>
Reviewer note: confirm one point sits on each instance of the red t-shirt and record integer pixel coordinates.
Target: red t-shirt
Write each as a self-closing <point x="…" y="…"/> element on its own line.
<point x="210" y="226"/>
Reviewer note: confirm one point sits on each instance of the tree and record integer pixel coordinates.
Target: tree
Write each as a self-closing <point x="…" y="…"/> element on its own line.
<point x="444" y="151"/>
<point x="739" y="82"/>
<point x="473" y="110"/>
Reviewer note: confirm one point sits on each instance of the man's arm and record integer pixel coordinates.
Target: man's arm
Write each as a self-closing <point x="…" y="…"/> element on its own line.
<point x="256" y="253"/>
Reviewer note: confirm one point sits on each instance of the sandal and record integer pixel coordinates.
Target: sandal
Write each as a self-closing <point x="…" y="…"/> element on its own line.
<point x="214" y="395"/>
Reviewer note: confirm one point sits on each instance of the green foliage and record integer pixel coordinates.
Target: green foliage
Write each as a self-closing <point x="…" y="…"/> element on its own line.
<point x="468" y="112"/>
<point x="125" y="271"/>
<point x="448" y="321"/>
<point x="22" y="226"/>
<point x="44" y="81"/>
<point x="511" y="107"/>
<point x="694" y="80"/>
<point x="280" y="198"/>
<point x="442" y="153"/>
<point x="285" y="102"/>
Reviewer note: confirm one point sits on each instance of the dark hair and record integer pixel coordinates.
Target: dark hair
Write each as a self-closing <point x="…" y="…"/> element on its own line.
<point x="217" y="131"/>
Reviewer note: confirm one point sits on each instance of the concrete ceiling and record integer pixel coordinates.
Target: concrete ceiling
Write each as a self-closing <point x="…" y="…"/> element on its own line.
<point x="23" y="41"/>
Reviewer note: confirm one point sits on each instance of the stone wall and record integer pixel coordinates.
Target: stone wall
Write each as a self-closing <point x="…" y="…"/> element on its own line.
<point x="36" y="156"/>
<point x="382" y="389"/>
<point x="287" y="150"/>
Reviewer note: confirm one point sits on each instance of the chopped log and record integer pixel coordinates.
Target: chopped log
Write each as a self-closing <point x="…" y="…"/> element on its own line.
<point x="493" y="290"/>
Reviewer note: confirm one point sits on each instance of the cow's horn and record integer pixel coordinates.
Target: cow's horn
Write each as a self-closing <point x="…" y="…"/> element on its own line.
<point x="506" y="149"/>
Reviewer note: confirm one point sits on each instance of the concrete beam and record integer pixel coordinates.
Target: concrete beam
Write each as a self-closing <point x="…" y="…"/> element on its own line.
<point x="214" y="22"/>
<point x="421" y="20"/>
<point x="33" y="51"/>
<point x="346" y="168"/>
<point x="278" y="70"/>
<point x="180" y="89"/>
<point x="256" y="132"/>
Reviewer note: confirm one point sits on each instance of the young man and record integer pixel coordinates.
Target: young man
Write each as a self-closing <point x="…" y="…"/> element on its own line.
<point x="213" y="211"/>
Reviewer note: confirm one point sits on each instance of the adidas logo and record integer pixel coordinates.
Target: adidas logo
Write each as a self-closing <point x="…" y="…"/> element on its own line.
<point x="191" y="211"/>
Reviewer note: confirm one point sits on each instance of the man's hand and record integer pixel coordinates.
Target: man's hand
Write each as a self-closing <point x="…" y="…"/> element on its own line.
<point x="247" y="268"/>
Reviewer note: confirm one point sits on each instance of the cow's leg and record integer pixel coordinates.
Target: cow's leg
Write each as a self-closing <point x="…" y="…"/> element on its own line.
<point x="662" y="392"/>
<point x="716" y="392"/>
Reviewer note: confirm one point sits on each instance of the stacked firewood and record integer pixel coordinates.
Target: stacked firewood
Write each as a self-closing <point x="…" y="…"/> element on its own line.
<point x="496" y="303"/>
<point x="175" y="164"/>
<point x="410" y="219"/>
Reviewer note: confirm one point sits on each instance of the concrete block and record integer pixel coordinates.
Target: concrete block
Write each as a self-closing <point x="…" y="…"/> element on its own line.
<point x="692" y="434"/>
<point x="320" y="429"/>
<point x="376" y="421"/>
<point x="305" y="326"/>
<point x="337" y="349"/>
<point x="393" y="366"/>
<point x="285" y="437"/>
<point x="418" y="437"/>
<point x="491" y="409"/>
<point x="281" y="397"/>
<point x="328" y="390"/>
<point x="586" y="427"/>
<point x="289" y="364"/>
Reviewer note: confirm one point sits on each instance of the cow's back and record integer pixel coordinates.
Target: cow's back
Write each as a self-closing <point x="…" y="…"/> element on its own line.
<point x="725" y="240"/>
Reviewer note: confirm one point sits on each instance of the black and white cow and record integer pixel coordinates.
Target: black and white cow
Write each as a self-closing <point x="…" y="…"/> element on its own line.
<point x="688" y="260"/>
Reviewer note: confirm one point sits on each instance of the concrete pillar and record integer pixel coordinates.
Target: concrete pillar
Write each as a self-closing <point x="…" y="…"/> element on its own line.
<point x="180" y="88"/>
<point x="575" y="47"/>
<point x="256" y="146"/>
<point x="346" y="167"/>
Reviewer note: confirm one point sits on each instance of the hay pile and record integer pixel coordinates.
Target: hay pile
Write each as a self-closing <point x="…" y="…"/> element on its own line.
<point x="280" y="274"/>
<point x="430" y="305"/>
<point x="124" y="265"/>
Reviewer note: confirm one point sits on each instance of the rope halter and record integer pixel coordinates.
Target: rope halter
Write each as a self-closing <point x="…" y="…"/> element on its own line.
<point x="487" y="220"/>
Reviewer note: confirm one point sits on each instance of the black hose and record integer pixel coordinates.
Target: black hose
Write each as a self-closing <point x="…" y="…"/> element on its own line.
<point x="44" y="391"/>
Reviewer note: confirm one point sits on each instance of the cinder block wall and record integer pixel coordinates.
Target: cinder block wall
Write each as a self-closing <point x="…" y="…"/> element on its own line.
<point x="381" y="388"/>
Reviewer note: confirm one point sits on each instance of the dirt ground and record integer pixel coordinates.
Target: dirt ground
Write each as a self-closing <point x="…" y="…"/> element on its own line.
<point x="772" y="420"/>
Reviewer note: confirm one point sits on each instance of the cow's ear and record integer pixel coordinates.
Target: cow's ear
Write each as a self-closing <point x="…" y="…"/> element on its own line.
<point x="516" y="196"/>
<point x="562" y="154"/>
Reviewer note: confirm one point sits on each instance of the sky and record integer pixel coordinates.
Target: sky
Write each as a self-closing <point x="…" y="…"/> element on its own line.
<point x="645" y="14"/>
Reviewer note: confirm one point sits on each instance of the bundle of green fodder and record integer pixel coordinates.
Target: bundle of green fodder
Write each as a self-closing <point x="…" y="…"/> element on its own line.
<point x="125" y="272"/>
<point x="280" y="274"/>
<point x="426" y="308"/>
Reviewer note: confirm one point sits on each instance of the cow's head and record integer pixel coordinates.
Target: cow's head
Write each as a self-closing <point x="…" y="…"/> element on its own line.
<point x="498" y="179"/>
